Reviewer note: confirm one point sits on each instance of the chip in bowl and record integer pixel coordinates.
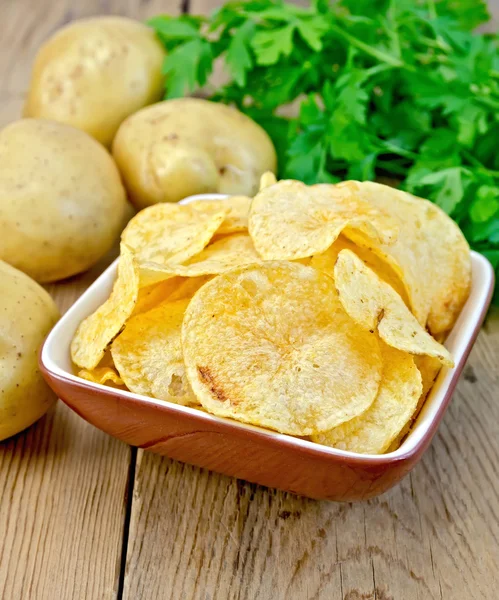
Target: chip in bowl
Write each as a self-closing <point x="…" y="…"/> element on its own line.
<point x="314" y="311"/>
<point x="271" y="345"/>
<point x="290" y="220"/>
<point x="375" y="305"/>
<point x="375" y="429"/>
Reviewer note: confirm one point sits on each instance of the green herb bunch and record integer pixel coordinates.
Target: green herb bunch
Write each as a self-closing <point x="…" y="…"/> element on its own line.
<point x="399" y="89"/>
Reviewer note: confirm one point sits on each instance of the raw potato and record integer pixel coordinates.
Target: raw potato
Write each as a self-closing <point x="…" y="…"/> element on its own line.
<point x="95" y="72"/>
<point x="191" y="146"/>
<point x="62" y="203"/>
<point x="27" y="313"/>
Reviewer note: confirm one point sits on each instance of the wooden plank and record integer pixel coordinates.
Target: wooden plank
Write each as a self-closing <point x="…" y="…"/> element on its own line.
<point x="62" y="500"/>
<point x="199" y="535"/>
<point x="64" y="483"/>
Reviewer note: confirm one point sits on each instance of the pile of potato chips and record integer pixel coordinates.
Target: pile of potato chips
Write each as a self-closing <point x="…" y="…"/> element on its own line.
<point x="313" y="311"/>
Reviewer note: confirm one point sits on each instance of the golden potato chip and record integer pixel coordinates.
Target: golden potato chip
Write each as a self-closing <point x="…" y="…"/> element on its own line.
<point x="172" y="233"/>
<point x="226" y="253"/>
<point x="374" y="430"/>
<point x="291" y="220"/>
<point x="325" y="262"/>
<point x="152" y="295"/>
<point x="99" y="329"/>
<point x="148" y="354"/>
<point x="267" y="179"/>
<point x="430" y="253"/>
<point x="187" y="287"/>
<point x="101" y="375"/>
<point x="429" y="368"/>
<point x="174" y="288"/>
<point x="237" y="218"/>
<point x="271" y="345"/>
<point x="374" y="304"/>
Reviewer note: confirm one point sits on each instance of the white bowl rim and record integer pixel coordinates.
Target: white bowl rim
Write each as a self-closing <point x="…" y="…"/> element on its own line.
<point x="459" y="343"/>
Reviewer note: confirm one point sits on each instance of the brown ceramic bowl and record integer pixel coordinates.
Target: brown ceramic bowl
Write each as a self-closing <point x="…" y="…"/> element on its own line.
<point x="244" y="451"/>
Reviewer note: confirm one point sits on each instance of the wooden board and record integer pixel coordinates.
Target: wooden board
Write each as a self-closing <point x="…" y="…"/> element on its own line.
<point x="66" y="506"/>
<point x="196" y="534"/>
<point x="63" y="499"/>
<point x="63" y="483"/>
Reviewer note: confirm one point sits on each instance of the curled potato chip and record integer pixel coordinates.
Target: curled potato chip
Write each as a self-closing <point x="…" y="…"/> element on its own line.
<point x="188" y="286"/>
<point x="326" y="260"/>
<point x="148" y="354"/>
<point x="100" y="328"/>
<point x="373" y="304"/>
<point x="172" y="233"/>
<point x="101" y="375"/>
<point x="271" y="345"/>
<point x="152" y="295"/>
<point x="224" y="254"/>
<point x="175" y="288"/>
<point x="291" y="220"/>
<point x="429" y="368"/>
<point x="267" y="179"/>
<point x="374" y="430"/>
<point x="430" y="253"/>
<point x="237" y="218"/>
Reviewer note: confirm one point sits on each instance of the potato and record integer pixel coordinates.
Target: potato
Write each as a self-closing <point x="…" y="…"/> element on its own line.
<point x="62" y="203"/>
<point x="27" y="314"/>
<point x="95" y="72"/>
<point x="186" y="146"/>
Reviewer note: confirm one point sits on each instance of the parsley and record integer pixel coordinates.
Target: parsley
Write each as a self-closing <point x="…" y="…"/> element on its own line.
<point x="399" y="89"/>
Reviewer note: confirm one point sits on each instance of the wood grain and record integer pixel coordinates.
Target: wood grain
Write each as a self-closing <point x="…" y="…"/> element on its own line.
<point x="199" y="535"/>
<point x="63" y="491"/>
<point x="434" y="536"/>
<point x="62" y="509"/>
<point x="192" y="534"/>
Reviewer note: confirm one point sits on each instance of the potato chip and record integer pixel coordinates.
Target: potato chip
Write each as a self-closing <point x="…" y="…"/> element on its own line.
<point x="429" y="368"/>
<point x="374" y="304"/>
<point x="172" y="233"/>
<point x="430" y="253"/>
<point x="291" y="220"/>
<point x="226" y="253"/>
<point x="152" y="295"/>
<point x="271" y="345"/>
<point x="99" y="329"/>
<point x="374" y="430"/>
<point x="267" y="179"/>
<point x="148" y="354"/>
<point x="174" y="288"/>
<point x="325" y="262"/>
<point x="236" y="219"/>
<point x="101" y="375"/>
<point x="187" y="287"/>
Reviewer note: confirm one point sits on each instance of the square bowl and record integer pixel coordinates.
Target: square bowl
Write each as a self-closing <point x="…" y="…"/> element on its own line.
<point x="244" y="451"/>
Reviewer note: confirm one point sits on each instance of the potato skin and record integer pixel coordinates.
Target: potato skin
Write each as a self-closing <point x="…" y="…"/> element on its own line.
<point x="62" y="203"/>
<point x="186" y="146"/>
<point x="27" y="313"/>
<point x="95" y="72"/>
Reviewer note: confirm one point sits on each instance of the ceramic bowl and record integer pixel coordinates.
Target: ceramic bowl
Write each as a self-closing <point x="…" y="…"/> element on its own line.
<point x="252" y="453"/>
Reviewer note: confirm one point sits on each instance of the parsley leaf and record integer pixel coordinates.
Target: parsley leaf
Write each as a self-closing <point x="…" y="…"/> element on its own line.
<point x="360" y="89"/>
